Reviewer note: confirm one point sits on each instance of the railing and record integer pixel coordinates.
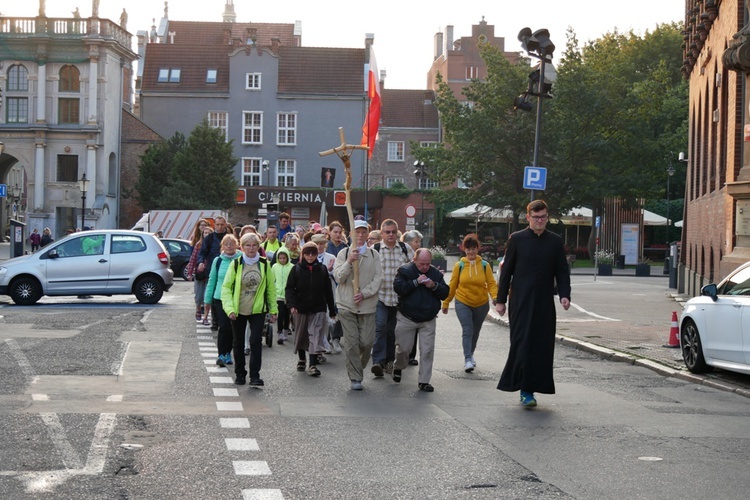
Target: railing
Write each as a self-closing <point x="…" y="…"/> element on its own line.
<point x="65" y="28"/>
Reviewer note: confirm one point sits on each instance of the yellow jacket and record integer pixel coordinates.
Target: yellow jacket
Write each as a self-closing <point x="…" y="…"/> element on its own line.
<point x="472" y="284"/>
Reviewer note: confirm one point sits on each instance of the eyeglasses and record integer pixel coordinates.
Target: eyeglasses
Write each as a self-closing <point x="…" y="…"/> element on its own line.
<point x="540" y="218"/>
<point x="389" y="232"/>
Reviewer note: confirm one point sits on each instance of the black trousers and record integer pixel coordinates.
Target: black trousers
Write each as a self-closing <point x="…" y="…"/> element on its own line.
<point x="239" y="325"/>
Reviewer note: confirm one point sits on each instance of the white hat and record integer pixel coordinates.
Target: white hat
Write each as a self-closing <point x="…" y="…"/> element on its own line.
<point x="360" y="223"/>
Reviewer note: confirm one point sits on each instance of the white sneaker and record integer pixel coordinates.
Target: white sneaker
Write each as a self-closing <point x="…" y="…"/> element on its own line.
<point x="326" y="346"/>
<point x="473" y="362"/>
<point x="469" y="366"/>
<point x="336" y="346"/>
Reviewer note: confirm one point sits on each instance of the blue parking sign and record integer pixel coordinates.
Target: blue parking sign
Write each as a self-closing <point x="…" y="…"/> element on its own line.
<point x="3" y="190"/>
<point x="535" y="178"/>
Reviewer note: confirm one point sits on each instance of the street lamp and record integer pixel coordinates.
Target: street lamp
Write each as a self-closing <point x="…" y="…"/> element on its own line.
<point x="539" y="46"/>
<point x="670" y="173"/>
<point x="83" y="185"/>
<point x="267" y="170"/>
<point x="421" y="176"/>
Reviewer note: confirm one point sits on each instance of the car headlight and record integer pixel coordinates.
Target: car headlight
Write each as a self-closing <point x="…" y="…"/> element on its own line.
<point x="3" y="270"/>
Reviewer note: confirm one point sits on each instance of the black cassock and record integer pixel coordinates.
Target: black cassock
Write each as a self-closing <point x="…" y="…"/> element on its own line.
<point x="532" y="265"/>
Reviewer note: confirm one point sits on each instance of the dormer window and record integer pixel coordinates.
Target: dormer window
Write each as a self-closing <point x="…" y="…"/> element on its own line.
<point x="171" y="75"/>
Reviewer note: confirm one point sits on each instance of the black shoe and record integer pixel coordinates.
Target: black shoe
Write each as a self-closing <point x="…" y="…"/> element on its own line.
<point x="396" y="375"/>
<point x="377" y="370"/>
<point x="257" y="382"/>
<point x="240" y="381"/>
<point x="413" y="362"/>
<point x="426" y="388"/>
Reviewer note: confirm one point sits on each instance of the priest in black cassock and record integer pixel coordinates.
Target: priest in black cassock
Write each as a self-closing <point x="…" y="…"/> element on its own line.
<point x="534" y="264"/>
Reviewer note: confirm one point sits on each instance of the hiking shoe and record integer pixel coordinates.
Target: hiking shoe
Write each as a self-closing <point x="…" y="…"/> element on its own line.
<point x="336" y="346"/>
<point x="356" y="385"/>
<point x="396" y="375"/>
<point x="301" y="366"/>
<point x="240" y="380"/>
<point x="377" y="370"/>
<point x="257" y="382"/>
<point x="469" y="366"/>
<point x="220" y="361"/>
<point x="426" y="388"/>
<point x="527" y="399"/>
<point x="313" y="371"/>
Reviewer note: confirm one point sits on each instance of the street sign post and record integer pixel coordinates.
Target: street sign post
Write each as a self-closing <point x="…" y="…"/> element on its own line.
<point x="3" y="190"/>
<point x="535" y="178"/>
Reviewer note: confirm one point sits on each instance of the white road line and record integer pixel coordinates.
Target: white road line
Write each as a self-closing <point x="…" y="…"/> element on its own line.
<point x="226" y="393"/>
<point x="117" y="367"/>
<point x="251" y="468"/>
<point x="262" y="495"/>
<point x="206" y="344"/>
<point x="115" y="398"/>
<point x="229" y="406"/>
<point x="221" y="380"/>
<point x="234" y="423"/>
<point x="584" y="311"/>
<point x="39" y="397"/>
<point x="240" y="444"/>
<point x="98" y="450"/>
<point x="209" y="362"/>
<point x="204" y="337"/>
<point x="56" y="433"/>
<point x="20" y="357"/>
<point x="216" y="369"/>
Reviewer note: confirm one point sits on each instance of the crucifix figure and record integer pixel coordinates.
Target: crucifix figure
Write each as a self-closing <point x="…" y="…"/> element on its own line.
<point x="344" y="151"/>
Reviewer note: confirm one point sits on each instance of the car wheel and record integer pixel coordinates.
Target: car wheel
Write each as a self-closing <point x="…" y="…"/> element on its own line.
<point x="692" y="349"/>
<point x="183" y="273"/>
<point x="148" y="290"/>
<point x="25" y="291"/>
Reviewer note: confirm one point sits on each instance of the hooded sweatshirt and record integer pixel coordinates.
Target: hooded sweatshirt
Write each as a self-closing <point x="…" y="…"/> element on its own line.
<point x="473" y="284"/>
<point x="216" y="276"/>
<point x="281" y="273"/>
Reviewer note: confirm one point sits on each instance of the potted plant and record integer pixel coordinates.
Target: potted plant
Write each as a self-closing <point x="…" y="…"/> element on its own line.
<point x="438" y="258"/>
<point x="643" y="268"/>
<point x="604" y="260"/>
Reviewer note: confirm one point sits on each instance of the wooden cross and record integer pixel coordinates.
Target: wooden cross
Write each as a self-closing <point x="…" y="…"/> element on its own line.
<point x="344" y="151"/>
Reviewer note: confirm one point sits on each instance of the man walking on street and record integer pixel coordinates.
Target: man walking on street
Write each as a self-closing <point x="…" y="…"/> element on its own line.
<point x="534" y="261"/>
<point x="210" y="249"/>
<point x="421" y="289"/>
<point x="393" y="254"/>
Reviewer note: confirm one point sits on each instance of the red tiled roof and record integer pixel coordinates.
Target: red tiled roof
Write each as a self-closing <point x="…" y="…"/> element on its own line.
<point x="204" y="33"/>
<point x="317" y="70"/>
<point x="408" y="108"/>
<point x="193" y="61"/>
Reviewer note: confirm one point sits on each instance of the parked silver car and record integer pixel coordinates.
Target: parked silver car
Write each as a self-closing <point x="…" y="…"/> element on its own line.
<point x="100" y="262"/>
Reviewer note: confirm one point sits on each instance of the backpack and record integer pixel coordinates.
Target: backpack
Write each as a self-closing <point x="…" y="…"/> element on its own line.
<point x="376" y="246"/>
<point x="461" y="268"/>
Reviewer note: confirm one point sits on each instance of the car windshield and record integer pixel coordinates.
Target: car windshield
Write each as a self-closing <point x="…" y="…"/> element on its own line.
<point x="737" y="284"/>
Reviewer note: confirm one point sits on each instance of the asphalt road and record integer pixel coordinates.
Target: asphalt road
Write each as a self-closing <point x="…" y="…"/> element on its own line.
<point x="106" y="398"/>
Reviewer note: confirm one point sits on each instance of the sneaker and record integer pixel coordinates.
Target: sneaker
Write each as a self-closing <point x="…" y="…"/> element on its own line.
<point x="301" y="366"/>
<point x="282" y="337"/>
<point x="413" y="362"/>
<point x="356" y="385"/>
<point x="388" y="367"/>
<point x="396" y="375"/>
<point x="206" y="322"/>
<point x="313" y="371"/>
<point x="220" y="361"/>
<point x="336" y="346"/>
<point x="228" y="358"/>
<point x="527" y="399"/>
<point x="257" y="382"/>
<point x="240" y="380"/>
<point x="468" y="366"/>
<point x="377" y="370"/>
<point x="326" y="346"/>
<point x="426" y="388"/>
<point x="247" y="351"/>
<point x="473" y="362"/>
<point x="322" y="359"/>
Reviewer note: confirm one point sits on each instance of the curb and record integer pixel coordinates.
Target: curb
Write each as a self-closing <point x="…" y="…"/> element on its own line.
<point x="612" y="355"/>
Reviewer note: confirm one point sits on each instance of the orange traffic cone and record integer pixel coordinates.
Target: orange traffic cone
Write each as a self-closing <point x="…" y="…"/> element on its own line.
<point x="674" y="332"/>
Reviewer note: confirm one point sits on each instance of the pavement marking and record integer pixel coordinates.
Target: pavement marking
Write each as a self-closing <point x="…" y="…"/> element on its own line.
<point x="262" y="495"/>
<point x="56" y="433"/>
<point x="240" y="444"/>
<point x="208" y="354"/>
<point x="226" y="393"/>
<point x="221" y="380"/>
<point x="584" y="311"/>
<point x="207" y="349"/>
<point x="204" y="337"/>
<point x="229" y="406"/>
<point x="39" y="397"/>
<point x="117" y="368"/>
<point x="234" y="423"/>
<point x="251" y="468"/>
<point x="20" y="357"/>
<point x="216" y="369"/>
<point x="209" y="362"/>
<point x="115" y="398"/>
<point x="206" y="344"/>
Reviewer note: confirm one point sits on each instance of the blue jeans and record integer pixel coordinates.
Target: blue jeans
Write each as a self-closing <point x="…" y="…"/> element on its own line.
<point x="384" y="349"/>
<point x="471" y="319"/>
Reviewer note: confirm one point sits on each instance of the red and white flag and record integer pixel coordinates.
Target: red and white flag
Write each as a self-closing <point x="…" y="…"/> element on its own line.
<point x="372" y="121"/>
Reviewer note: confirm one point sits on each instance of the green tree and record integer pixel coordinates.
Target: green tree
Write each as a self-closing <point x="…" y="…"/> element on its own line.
<point x="192" y="174"/>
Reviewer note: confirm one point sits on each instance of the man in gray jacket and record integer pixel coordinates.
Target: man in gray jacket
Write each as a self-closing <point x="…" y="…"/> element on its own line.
<point x="356" y="310"/>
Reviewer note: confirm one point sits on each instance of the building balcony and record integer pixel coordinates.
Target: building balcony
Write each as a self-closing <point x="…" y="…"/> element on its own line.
<point x="63" y="29"/>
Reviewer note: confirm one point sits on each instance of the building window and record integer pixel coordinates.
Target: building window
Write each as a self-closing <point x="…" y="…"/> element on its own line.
<point x="392" y="181"/>
<point x="67" y="168"/>
<point x="211" y="75"/>
<point x="68" y="110"/>
<point x="18" y="78"/>
<point x="428" y="144"/>
<point x="220" y="120"/>
<point x="285" y="173"/>
<point x="396" y="151"/>
<point x="252" y="127"/>
<point x="70" y="79"/>
<point x="472" y="72"/>
<point x="427" y="183"/>
<point x="18" y="110"/>
<point x="252" y="81"/>
<point x="286" y="129"/>
<point x="171" y="75"/>
<point x="251" y="171"/>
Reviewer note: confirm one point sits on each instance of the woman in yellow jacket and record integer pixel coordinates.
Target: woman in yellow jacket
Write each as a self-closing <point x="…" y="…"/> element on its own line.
<point x="473" y="285"/>
<point x="247" y="295"/>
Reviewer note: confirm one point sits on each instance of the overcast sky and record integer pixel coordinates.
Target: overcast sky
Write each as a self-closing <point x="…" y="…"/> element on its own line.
<point x="404" y="29"/>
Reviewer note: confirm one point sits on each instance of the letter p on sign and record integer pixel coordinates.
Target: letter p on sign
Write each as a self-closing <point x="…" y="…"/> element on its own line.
<point x="535" y="178"/>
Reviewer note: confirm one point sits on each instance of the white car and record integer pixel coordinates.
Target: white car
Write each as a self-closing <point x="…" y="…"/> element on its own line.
<point x="100" y="262"/>
<point x="715" y="326"/>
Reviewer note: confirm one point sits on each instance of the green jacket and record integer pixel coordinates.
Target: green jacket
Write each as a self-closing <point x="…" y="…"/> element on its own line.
<point x="265" y="296"/>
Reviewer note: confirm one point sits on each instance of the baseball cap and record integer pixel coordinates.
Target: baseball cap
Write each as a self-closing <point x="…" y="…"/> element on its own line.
<point x="360" y="223"/>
